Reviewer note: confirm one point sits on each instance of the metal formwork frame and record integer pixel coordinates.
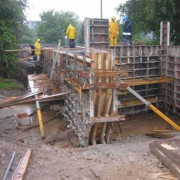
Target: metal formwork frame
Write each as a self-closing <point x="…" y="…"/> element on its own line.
<point x="164" y="34"/>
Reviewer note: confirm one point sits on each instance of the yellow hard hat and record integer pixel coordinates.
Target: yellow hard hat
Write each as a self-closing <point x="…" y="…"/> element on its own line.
<point x="38" y="39"/>
<point x="113" y="17"/>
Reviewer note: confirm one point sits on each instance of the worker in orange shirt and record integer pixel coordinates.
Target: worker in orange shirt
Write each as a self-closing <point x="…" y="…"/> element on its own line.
<point x="71" y="34"/>
<point x="38" y="47"/>
<point x="113" y="32"/>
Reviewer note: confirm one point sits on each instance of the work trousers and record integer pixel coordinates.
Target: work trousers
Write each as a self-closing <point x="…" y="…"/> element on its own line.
<point x="127" y="39"/>
<point x="72" y="43"/>
<point x="113" y="41"/>
<point x="38" y="57"/>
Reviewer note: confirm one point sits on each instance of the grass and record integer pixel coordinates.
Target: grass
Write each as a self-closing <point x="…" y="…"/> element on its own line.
<point x="6" y="83"/>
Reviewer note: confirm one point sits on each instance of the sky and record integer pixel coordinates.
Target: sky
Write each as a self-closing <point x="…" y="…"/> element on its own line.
<point x="82" y="8"/>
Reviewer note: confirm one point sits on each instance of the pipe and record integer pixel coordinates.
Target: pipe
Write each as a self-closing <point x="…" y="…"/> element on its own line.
<point x="168" y="120"/>
<point x="9" y="166"/>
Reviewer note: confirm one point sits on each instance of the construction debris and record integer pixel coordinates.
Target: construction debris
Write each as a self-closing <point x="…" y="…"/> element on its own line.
<point x="19" y="173"/>
<point x="59" y="136"/>
<point x="24" y="128"/>
<point x="24" y="119"/>
<point x="16" y="100"/>
<point x="9" y="166"/>
<point x="98" y="88"/>
<point x="168" y="152"/>
<point x="160" y="135"/>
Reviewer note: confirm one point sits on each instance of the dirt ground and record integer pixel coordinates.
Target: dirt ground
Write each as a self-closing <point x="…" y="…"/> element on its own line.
<point x="127" y="157"/>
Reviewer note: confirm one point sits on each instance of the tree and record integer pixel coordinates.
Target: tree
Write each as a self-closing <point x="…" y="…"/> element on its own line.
<point x="146" y="16"/>
<point x="28" y="34"/>
<point x="11" y="20"/>
<point x="54" y="24"/>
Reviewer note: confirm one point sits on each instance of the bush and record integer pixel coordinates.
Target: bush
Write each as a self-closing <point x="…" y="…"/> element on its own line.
<point x="9" y="84"/>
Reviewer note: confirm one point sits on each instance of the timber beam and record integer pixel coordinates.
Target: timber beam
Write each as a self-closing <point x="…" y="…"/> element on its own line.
<point x="136" y="102"/>
<point x="100" y="85"/>
<point x="77" y="57"/>
<point x="102" y="73"/>
<point x="93" y="120"/>
<point x="152" y="80"/>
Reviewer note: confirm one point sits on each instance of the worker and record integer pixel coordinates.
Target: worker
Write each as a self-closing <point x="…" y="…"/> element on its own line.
<point x="71" y="35"/>
<point x="127" y="31"/>
<point x="32" y="51"/>
<point x="113" y="32"/>
<point x="37" y="46"/>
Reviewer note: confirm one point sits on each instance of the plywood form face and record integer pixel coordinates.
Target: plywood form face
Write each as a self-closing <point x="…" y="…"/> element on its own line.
<point x="102" y="61"/>
<point x="103" y="97"/>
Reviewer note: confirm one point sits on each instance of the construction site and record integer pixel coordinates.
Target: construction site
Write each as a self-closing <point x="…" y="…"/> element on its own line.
<point x="96" y="112"/>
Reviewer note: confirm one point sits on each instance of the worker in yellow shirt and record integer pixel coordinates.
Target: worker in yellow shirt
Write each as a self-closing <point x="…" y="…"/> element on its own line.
<point x="71" y="34"/>
<point x="113" y="32"/>
<point x="38" y="47"/>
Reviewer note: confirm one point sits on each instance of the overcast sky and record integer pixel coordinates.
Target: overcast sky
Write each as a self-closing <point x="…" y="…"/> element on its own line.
<point x="83" y="8"/>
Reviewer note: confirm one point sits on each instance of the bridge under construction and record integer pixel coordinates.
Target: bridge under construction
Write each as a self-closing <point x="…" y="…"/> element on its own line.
<point x="104" y="84"/>
<point x="101" y="84"/>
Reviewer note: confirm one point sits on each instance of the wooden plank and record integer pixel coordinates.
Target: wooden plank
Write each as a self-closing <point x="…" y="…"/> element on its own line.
<point x="153" y="80"/>
<point x="18" y="99"/>
<point x="136" y="102"/>
<point x="117" y="118"/>
<point x="22" y="50"/>
<point x="168" y="152"/>
<point x="104" y="85"/>
<point x="169" y="163"/>
<point x="107" y="99"/>
<point x="81" y="58"/>
<point x="160" y="135"/>
<point x="109" y="91"/>
<point x="164" y="130"/>
<point x="94" y="65"/>
<point x="103" y="73"/>
<point x="101" y="93"/>
<point x="22" y="167"/>
<point x="59" y="136"/>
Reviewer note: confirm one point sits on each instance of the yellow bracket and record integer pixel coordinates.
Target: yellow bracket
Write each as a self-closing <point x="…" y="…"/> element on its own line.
<point x="41" y="125"/>
<point x="165" y="118"/>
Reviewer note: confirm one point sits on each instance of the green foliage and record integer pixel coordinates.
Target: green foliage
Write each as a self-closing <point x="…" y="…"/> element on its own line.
<point x="26" y="39"/>
<point x="7" y="61"/>
<point x="28" y="35"/>
<point x="53" y="25"/>
<point x="120" y="38"/>
<point x="9" y="84"/>
<point x="12" y="15"/>
<point x="11" y="21"/>
<point x="146" y="16"/>
<point x="139" y="39"/>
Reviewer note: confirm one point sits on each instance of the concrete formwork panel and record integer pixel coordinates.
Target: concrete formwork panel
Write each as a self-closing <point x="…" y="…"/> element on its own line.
<point x="171" y="68"/>
<point x="96" y="33"/>
<point x="140" y="62"/>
